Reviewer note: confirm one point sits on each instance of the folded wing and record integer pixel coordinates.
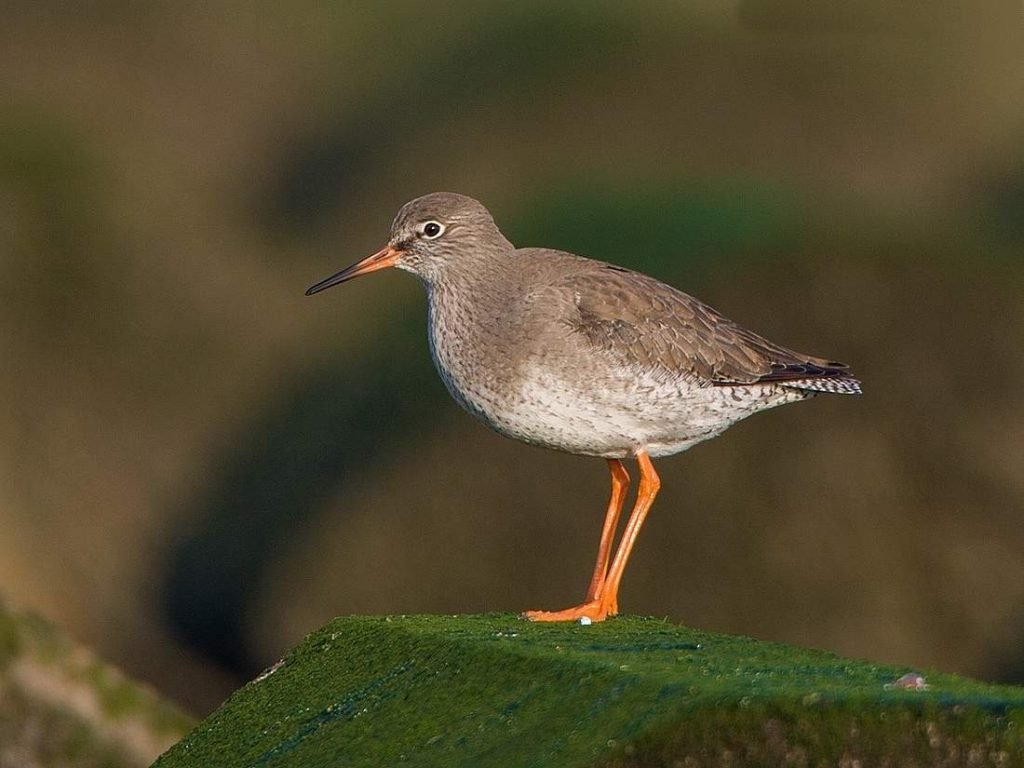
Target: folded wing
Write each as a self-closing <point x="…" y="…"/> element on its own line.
<point x="666" y="332"/>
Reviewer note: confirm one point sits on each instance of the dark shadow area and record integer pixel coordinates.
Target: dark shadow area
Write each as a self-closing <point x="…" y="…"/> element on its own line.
<point x="1002" y="211"/>
<point x="1008" y="664"/>
<point x="342" y="419"/>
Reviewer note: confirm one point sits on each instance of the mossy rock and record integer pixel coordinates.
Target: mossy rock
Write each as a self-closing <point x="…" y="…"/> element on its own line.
<point x="497" y="691"/>
<point x="62" y="706"/>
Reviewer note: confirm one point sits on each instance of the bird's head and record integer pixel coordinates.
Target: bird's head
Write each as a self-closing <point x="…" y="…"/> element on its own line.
<point x="430" y="236"/>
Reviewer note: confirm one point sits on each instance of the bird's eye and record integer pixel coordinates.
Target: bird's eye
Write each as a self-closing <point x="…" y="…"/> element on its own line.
<point x="432" y="230"/>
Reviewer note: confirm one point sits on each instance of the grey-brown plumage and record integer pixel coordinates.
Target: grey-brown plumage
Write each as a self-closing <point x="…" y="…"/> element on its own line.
<point x="583" y="356"/>
<point x="655" y="326"/>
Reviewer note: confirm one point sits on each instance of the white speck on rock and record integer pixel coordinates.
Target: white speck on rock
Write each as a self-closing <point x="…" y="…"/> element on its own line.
<point x="909" y="682"/>
<point x="269" y="671"/>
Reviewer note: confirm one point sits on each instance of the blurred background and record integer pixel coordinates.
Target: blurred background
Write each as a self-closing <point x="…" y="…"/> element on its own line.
<point x="199" y="465"/>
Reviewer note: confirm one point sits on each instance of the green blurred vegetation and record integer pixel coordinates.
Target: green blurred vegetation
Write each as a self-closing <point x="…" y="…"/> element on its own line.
<point x="198" y="465"/>
<point x="494" y="690"/>
<point x="60" y="706"/>
<point x="682" y="228"/>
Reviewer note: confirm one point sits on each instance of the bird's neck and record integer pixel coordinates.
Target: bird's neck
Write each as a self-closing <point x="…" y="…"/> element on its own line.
<point x="474" y="288"/>
<point x="472" y="317"/>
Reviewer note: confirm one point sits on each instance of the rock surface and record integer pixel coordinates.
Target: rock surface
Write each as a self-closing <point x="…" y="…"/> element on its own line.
<point x="496" y="691"/>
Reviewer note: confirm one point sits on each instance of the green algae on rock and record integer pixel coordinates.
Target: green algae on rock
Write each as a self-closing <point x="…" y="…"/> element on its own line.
<point x="497" y="691"/>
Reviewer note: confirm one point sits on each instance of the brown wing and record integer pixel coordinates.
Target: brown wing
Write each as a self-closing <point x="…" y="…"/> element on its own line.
<point x="658" y="328"/>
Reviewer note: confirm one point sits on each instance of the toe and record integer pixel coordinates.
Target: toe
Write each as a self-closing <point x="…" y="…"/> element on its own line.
<point x="593" y="610"/>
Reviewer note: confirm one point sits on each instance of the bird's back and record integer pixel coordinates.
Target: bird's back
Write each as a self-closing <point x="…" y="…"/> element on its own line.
<point x="648" y="325"/>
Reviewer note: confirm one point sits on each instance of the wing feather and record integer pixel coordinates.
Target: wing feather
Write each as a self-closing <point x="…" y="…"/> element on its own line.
<point x="659" y="329"/>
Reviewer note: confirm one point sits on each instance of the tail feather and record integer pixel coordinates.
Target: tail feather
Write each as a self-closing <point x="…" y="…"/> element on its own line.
<point x="838" y="385"/>
<point x="816" y="375"/>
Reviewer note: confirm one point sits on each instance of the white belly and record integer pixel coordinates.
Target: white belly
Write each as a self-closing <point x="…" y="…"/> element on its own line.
<point x="616" y="418"/>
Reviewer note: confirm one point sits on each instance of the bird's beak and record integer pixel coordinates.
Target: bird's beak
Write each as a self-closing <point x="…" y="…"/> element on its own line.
<point x="382" y="259"/>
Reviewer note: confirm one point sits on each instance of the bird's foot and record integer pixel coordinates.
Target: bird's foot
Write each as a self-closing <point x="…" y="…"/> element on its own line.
<point x="595" y="610"/>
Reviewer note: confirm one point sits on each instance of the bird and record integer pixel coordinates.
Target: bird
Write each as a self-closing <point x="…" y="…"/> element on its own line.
<point x="586" y="357"/>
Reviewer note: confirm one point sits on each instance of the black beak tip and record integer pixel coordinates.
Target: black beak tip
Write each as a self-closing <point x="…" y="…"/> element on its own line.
<point x="331" y="281"/>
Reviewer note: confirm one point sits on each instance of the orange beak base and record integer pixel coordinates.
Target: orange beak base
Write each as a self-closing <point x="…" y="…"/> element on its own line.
<point x="382" y="259"/>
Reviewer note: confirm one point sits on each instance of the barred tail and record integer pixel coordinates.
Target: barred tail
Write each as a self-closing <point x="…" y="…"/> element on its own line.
<point x="843" y="384"/>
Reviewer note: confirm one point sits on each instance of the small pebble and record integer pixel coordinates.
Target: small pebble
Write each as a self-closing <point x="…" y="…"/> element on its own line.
<point x="585" y="621"/>
<point x="909" y="682"/>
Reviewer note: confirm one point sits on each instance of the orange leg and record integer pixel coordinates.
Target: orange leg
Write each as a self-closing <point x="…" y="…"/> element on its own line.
<point x="605" y="600"/>
<point x="620" y="485"/>
<point x="650" y="484"/>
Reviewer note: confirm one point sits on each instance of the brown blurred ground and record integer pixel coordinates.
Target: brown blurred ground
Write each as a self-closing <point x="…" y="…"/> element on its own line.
<point x="192" y="475"/>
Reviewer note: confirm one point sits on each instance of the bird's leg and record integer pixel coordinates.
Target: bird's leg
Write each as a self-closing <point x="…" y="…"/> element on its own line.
<point x="605" y="602"/>
<point x="650" y="484"/>
<point x="620" y="485"/>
